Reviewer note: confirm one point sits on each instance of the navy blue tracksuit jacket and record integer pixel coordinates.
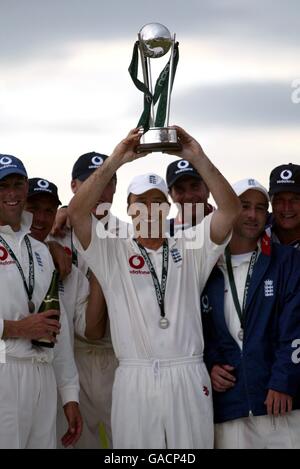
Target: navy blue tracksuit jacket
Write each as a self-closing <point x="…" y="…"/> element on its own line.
<point x="271" y="329"/>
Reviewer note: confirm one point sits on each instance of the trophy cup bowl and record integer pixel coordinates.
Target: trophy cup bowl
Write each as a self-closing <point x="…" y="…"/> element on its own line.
<point x="155" y="41"/>
<point x="159" y="139"/>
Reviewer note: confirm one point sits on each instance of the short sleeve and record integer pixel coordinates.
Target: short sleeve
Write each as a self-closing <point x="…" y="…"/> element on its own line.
<point x="205" y="252"/>
<point x="100" y="252"/>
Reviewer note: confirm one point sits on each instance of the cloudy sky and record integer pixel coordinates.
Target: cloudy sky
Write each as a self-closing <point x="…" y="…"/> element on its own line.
<point x="65" y="89"/>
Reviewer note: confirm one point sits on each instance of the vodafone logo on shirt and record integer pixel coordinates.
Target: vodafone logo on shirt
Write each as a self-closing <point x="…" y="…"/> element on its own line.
<point x="68" y="251"/>
<point x="136" y="263"/>
<point x="4" y="256"/>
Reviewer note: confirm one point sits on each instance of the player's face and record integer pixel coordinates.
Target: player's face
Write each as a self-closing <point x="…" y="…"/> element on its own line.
<point x="191" y="194"/>
<point x="13" y="194"/>
<point x="286" y="210"/>
<point x="43" y="208"/>
<point x="105" y="200"/>
<point x="149" y="212"/>
<point x="251" y="222"/>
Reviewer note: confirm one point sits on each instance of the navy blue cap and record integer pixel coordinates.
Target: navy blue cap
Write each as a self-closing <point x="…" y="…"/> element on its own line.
<point x="285" y="178"/>
<point x="11" y="165"/>
<point x="178" y="169"/>
<point x="87" y="164"/>
<point x="42" y="186"/>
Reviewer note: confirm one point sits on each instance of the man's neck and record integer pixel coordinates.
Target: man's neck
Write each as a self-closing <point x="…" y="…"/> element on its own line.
<point x="103" y="218"/>
<point x="241" y="245"/>
<point x="287" y="236"/>
<point x="181" y="221"/>
<point x="15" y="226"/>
<point x="151" y="243"/>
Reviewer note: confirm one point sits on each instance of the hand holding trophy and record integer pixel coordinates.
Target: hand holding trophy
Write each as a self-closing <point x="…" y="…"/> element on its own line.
<point x="154" y="41"/>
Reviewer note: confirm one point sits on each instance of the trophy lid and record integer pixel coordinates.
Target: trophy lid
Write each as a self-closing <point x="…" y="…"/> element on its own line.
<point x="155" y="39"/>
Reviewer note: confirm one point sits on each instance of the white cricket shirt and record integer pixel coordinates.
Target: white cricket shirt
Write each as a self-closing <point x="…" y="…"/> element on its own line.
<point x="14" y="300"/>
<point x="76" y="286"/>
<point x="130" y="295"/>
<point x="240" y="266"/>
<point x="73" y="297"/>
<point x="14" y="306"/>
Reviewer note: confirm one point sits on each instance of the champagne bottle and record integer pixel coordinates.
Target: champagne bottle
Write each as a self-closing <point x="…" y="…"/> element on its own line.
<point x="51" y="301"/>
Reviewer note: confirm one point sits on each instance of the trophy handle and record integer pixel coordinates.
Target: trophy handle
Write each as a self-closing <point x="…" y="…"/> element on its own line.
<point x="147" y="77"/>
<point x="170" y="81"/>
<point x="152" y="117"/>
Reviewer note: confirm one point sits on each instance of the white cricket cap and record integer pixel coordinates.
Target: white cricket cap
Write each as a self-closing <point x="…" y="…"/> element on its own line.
<point x="146" y="182"/>
<point x="244" y="185"/>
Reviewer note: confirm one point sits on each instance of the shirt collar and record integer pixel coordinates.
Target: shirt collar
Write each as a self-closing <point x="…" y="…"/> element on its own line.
<point x="26" y="221"/>
<point x="222" y="260"/>
<point x="171" y="243"/>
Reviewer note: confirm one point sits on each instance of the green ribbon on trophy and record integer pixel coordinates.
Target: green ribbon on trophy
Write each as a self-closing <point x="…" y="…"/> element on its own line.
<point x="161" y="88"/>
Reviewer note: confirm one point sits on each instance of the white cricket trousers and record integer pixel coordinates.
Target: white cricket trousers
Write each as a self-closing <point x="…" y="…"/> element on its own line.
<point x="260" y="432"/>
<point x="162" y="404"/>
<point x="27" y="405"/>
<point x="96" y="369"/>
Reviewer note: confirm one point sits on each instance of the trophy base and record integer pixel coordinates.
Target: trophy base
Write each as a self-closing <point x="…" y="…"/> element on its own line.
<point x="159" y="139"/>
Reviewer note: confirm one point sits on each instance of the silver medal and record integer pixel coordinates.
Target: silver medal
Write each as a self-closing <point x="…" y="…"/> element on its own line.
<point x="31" y="306"/>
<point x="163" y="323"/>
<point x="241" y="334"/>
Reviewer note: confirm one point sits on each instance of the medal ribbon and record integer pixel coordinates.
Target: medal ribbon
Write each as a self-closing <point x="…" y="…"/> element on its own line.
<point x="160" y="288"/>
<point x="30" y="287"/>
<point x="160" y="92"/>
<point x="240" y="311"/>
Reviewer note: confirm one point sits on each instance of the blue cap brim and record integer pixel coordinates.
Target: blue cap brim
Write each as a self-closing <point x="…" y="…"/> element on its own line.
<point x="9" y="171"/>
<point x="41" y="191"/>
<point x="179" y="176"/>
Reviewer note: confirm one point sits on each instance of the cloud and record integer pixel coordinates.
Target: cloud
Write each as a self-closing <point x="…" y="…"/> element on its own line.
<point x="264" y="104"/>
<point x="34" y="27"/>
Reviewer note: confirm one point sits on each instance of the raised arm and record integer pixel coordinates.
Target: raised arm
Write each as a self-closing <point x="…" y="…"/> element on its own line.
<point x="90" y="191"/>
<point x="228" y="203"/>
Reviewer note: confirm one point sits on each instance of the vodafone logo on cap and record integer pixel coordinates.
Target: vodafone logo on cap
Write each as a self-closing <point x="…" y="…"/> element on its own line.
<point x="43" y="184"/>
<point x="5" y="160"/>
<point x="136" y="262"/>
<point x="97" y="160"/>
<point x="286" y="174"/>
<point x="3" y="254"/>
<point x="182" y="164"/>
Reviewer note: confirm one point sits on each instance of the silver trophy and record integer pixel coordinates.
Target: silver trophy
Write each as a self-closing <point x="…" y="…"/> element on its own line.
<point x="155" y="41"/>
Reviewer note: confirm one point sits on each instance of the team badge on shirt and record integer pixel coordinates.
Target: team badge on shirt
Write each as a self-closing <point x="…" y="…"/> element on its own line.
<point x="269" y="288"/>
<point x="61" y="287"/>
<point x="39" y="259"/>
<point x="176" y="256"/>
